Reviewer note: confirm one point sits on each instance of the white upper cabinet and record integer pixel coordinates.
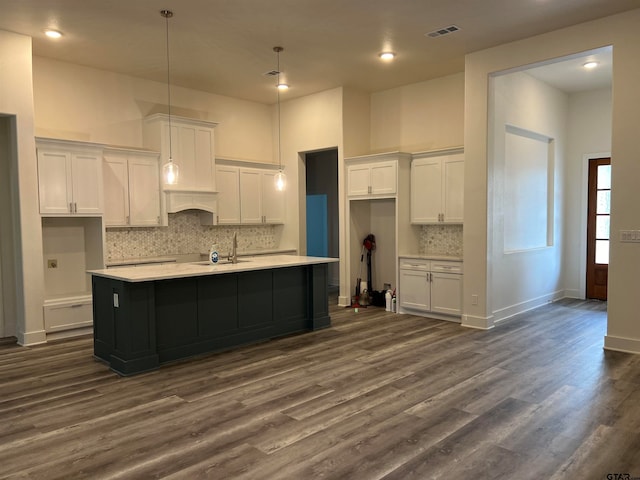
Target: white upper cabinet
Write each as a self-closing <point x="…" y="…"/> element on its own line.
<point x="247" y="195"/>
<point x="437" y="187"/>
<point x="273" y="201"/>
<point x="69" y="178"/>
<point x="228" y="179"/>
<point x="250" y="196"/>
<point x="373" y="177"/>
<point x="132" y="188"/>
<point x="192" y="145"/>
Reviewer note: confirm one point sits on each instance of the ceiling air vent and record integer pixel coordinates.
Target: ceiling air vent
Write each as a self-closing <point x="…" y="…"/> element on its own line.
<point x="442" y="31"/>
<point x="271" y="73"/>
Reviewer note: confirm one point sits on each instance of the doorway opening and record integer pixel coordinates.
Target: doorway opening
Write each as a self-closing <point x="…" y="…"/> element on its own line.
<point x="598" y="227"/>
<point x="322" y="218"/>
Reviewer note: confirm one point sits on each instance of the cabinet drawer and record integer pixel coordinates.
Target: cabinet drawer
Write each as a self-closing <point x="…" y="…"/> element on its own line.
<point x="446" y="266"/>
<point x="67" y="314"/>
<point x="415" y="264"/>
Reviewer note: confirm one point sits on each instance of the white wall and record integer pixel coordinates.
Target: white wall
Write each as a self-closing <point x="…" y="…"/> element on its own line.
<point x="80" y="103"/>
<point x="528" y="275"/>
<point x="622" y="33"/>
<point x="421" y="116"/>
<point x="356" y="113"/>
<point x="16" y="99"/>
<point x="589" y="134"/>
<point x="309" y="124"/>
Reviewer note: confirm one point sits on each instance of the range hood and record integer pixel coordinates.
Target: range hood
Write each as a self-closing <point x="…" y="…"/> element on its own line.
<point x="181" y="200"/>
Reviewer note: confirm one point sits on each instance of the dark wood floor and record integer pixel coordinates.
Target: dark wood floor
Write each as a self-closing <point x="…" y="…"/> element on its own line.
<point x="376" y="396"/>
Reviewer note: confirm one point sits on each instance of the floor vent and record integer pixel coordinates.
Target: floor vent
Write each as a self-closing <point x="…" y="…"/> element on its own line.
<point x="442" y="31"/>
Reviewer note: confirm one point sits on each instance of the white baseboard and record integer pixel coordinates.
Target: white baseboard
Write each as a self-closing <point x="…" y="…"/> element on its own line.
<point x="481" y="323"/>
<point x="75" y="332"/>
<point x="512" y="310"/>
<point x="344" y="301"/>
<point x="32" y="338"/>
<point x="620" y="344"/>
<point x="572" y="293"/>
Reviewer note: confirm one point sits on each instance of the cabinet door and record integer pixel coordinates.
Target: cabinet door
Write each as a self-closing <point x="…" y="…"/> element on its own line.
<point x="195" y="157"/>
<point x="446" y="293"/>
<point x="86" y="172"/>
<point x="414" y="290"/>
<point x="426" y="190"/>
<point x="54" y="182"/>
<point x="205" y="167"/>
<point x="144" y="191"/>
<point x="116" y="190"/>
<point x="453" y="188"/>
<point x="383" y="178"/>
<point x="228" y="180"/>
<point x="273" y="201"/>
<point x="358" y="179"/>
<point x="250" y="196"/>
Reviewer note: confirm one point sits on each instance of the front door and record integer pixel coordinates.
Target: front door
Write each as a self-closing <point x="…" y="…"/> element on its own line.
<point x="599" y="206"/>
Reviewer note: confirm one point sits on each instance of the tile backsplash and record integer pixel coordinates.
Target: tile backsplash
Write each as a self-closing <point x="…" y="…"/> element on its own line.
<point x="441" y="240"/>
<point x="185" y="235"/>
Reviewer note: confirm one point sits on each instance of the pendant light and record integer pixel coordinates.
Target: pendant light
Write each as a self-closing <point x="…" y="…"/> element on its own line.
<point x="170" y="171"/>
<point x="280" y="178"/>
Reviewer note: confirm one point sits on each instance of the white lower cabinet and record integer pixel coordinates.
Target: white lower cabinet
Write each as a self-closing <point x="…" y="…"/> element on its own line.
<point x="68" y="313"/>
<point x="430" y="286"/>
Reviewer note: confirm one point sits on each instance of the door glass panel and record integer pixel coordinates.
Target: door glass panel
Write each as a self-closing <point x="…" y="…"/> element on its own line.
<point x="602" y="252"/>
<point x="602" y="227"/>
<point x="604" y="177"/>
<point x="603" y="202"/>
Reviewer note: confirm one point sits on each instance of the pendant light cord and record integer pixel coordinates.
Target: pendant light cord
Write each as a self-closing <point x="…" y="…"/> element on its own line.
<point x="279" y="125"/>
<point x="167" y="14"/>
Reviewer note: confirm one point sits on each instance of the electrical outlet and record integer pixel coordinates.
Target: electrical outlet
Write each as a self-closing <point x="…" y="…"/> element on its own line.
<point x="474" y="299"/>
<point x="52" y="263"/>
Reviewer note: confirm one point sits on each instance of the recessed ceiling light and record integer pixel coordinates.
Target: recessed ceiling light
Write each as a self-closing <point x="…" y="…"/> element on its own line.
<point x="590" y="65"/>
<point x="387" y="56"/>
<point x="53" y="33"/>
<point x="282" y="86"/>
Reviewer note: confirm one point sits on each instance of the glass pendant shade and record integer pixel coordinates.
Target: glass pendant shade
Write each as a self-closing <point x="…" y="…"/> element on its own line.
<point x="170" y="173"/>
<point x="281" y="181"/>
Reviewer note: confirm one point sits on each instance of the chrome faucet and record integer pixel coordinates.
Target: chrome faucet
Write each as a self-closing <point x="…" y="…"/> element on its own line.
<point x="233" y="255"/>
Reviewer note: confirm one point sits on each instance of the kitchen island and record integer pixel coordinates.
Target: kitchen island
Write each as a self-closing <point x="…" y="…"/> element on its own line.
<point x="146" y="316"/>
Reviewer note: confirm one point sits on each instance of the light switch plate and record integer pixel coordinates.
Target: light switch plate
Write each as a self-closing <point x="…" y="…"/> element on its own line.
<point x="630" y="236"/>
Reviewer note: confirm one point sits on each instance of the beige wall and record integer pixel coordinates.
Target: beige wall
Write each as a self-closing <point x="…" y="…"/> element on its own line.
<point x="80" y="103"/>
<point x="16" y="98"/>
<point x="421" y="116"/>
<point x="589" y="135"/>
<point x="309" y="124"/>
<point x="622" y="33"/>
<point x="356" y="114"/>
<point x="530" y="276"/>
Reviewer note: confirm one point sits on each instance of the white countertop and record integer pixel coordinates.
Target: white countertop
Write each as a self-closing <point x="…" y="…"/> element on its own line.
<point x="180" y="270"/>
<point x="190" y="257"/>
<point x="427" y="256"/>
